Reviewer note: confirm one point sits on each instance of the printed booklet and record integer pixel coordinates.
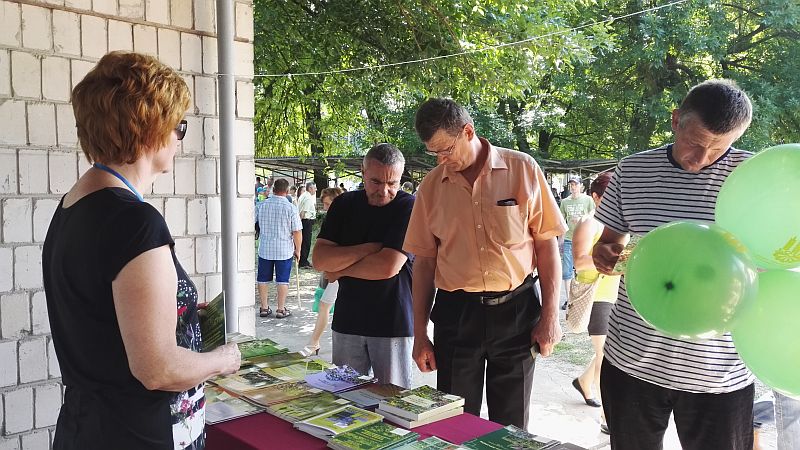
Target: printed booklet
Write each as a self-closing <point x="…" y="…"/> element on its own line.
<point x="277" y="393"/>
<point x="509" y="437"/>
<point x="420" y="403"/>
<point x="338" y="421"/>
<point x="370" y="395"/>
<point x="378" y="436"/>
<point x="222" y="406"/>
<point x="338" y="379"/>
<point x="302" y="408"/>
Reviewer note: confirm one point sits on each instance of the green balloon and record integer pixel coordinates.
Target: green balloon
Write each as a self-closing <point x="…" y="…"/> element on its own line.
<point x="759" y="203"/>
<point x="687" y="279"/>
<point x="767" y="335"/>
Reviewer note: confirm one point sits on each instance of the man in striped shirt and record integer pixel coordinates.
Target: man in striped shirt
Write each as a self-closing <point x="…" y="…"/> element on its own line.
<point x="647" y="375"/>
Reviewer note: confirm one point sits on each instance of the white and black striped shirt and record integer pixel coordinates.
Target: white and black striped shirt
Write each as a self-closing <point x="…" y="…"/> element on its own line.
<point x="650" y="189"/>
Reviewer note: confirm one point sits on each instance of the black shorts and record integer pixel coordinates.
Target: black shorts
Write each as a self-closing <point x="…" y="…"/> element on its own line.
<point x="598" y="320"/>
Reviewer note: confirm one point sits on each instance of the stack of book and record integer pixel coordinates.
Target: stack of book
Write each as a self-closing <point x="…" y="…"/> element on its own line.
<point x="420" y="406"/>
<point x="378" y="436"/>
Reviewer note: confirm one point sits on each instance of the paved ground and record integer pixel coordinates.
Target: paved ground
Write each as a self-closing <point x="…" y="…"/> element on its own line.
<point x="558" y="411"/>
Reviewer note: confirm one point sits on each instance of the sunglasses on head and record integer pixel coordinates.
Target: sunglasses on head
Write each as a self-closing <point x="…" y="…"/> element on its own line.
<point x="180" y="130"/>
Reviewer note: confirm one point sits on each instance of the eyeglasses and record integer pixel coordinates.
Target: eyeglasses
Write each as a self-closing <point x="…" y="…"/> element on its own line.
<point x="449" y="150"/>
<point x="180" y="130"/>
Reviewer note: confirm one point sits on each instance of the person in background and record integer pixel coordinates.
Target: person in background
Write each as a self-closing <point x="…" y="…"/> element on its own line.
<point x="604" y="294"/>
<point x="307" y="204"/>
<point x="123" y="312"/>
<point x="573" y="208"/>
<point x="292" y="195"/>
<point x="330" y="288"/>
<point x="279" y="243"/>
<point x="259" y="184"/>
<point x="341" y="186"/>
<point x="360" y="244"/>
<point x="483" y="221"/>
<point x="647" y="375"/>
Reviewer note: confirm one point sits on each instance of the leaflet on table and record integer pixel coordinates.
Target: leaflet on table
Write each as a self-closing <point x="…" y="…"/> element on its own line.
<point x="247" y="380"/>
<point x="277" y="393"/>
<point x="509" y="437"/>
<point x="279" y="360"/>
<point x="338" y="421"/>
<point x="338" y="379"/>
<point x="370" y="395"/>
<point x="260" y="347"/>
<point x="302" y="408"/>
<point x="377" y="436"/>
<point x="222" y="406"/>
<point x="420" y="402"/>
<point x="299" y="370"/>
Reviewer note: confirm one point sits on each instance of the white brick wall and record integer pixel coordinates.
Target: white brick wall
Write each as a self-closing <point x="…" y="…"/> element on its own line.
<point x="17" y="220"/>
<point x="12" y="116"/>
<point x="93" y="36"/>
<point x="66" y="33"/>
<point x="26" y="75"/>
<point x="6" y="270"/>
<point x="120" y="35"/>
<point x="33" y="359"/>
<point x="8" y="171"/>
<point x="46" y="48"/>
<point x="8" y="370"/>
<point x="55" y="82"/>
<point x="36" y="29"/>
<point x="42" y="124"/>
<point x="28" y="267"/>
<point x="18" y="406"/>
<point x="10" y="31"/>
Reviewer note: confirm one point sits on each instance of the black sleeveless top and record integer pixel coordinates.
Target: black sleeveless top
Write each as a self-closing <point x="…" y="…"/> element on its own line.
<point x="105" y="406"/>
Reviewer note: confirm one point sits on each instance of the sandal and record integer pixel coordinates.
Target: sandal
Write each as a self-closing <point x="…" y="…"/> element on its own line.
<point x="282" y="313"/>
<point x="265" y="312"/>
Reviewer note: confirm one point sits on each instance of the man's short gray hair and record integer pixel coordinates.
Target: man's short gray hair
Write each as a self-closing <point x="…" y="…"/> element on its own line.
<point x="721" y="105"/>
<point x="385" y="154"/>
<point x="310" y="185"/>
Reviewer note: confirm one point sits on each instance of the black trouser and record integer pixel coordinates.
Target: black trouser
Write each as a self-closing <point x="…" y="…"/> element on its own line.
<point x="471" y="338"/>
<point x="305" y="247"/>
<point x="638" y="413"/>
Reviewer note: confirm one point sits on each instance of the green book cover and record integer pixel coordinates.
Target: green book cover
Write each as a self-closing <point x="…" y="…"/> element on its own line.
<point x="260" y="347"/>
<point x="212" y="323"/>
<point x="308" y="406"/>
<point x="338" y="421"/>
<point x="509" y="437"/>
<point x="279" y="360"/>
<point x="371" y="395"/>
<point x="280" y="393"/>
<point x="299" y="370"/>
<point x="431" y="443"/>
<point x="420" y="402"/>
<point x="247" y="380"/>
<point x="377" y="436"/>
<point x="222" y="406"/>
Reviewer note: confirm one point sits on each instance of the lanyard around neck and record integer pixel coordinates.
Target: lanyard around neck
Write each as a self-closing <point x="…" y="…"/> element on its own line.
<point x="121" y="178"/>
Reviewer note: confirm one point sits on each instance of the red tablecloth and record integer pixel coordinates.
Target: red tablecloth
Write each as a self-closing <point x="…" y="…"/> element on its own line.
<point x="265" y="431"/>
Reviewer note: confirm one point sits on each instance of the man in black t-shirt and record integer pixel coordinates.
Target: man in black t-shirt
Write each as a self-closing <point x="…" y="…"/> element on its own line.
<point x="360" y="244"/>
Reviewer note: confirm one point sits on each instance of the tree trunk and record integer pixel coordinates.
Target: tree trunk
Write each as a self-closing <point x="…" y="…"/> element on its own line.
<point x="313" y="119"/>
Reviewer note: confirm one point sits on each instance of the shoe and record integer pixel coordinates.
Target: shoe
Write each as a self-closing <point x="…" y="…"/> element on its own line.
<point x="309" y="350"/>
<point x="282" y="313"/>
<point x="604" y="429"/>
<point x="589" y="401"/>
<point x="264" y="312"/>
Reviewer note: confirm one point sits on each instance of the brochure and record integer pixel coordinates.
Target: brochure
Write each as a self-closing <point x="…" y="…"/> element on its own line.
<point x="419" y="403"/>
<point x="338" y="379"/>
<point x="338" y="421"/>
<point x="378" y="436"/>
<point x="222" y="406"/>
<point x="509" y="437"/>
<point x="302" y="408"/>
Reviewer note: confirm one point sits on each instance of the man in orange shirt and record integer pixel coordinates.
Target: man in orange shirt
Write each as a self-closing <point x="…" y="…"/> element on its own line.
<point x="483" y="221"/>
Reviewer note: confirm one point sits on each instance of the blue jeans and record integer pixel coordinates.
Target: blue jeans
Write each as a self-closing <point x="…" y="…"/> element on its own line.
<point x="787" y="421"/>
<point x="567" y="269"/>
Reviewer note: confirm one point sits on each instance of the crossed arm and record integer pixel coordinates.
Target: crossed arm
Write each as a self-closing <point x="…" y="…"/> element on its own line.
<point x="369" y="261"/>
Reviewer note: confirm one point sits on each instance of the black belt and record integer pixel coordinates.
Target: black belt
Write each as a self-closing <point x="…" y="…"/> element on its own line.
<point x="498" y="298"/>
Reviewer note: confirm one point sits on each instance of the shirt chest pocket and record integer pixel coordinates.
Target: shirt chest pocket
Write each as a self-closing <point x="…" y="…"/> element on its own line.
<point x="509" y="224"/>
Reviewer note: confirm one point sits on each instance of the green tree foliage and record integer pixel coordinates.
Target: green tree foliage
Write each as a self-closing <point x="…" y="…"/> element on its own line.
<point x="602" y="91"/>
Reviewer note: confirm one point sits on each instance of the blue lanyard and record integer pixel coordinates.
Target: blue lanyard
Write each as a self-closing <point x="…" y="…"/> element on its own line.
<point x="121" y="178"/>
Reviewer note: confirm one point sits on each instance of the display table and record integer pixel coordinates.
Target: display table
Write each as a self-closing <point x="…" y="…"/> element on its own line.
<point x="265" y="431"/>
